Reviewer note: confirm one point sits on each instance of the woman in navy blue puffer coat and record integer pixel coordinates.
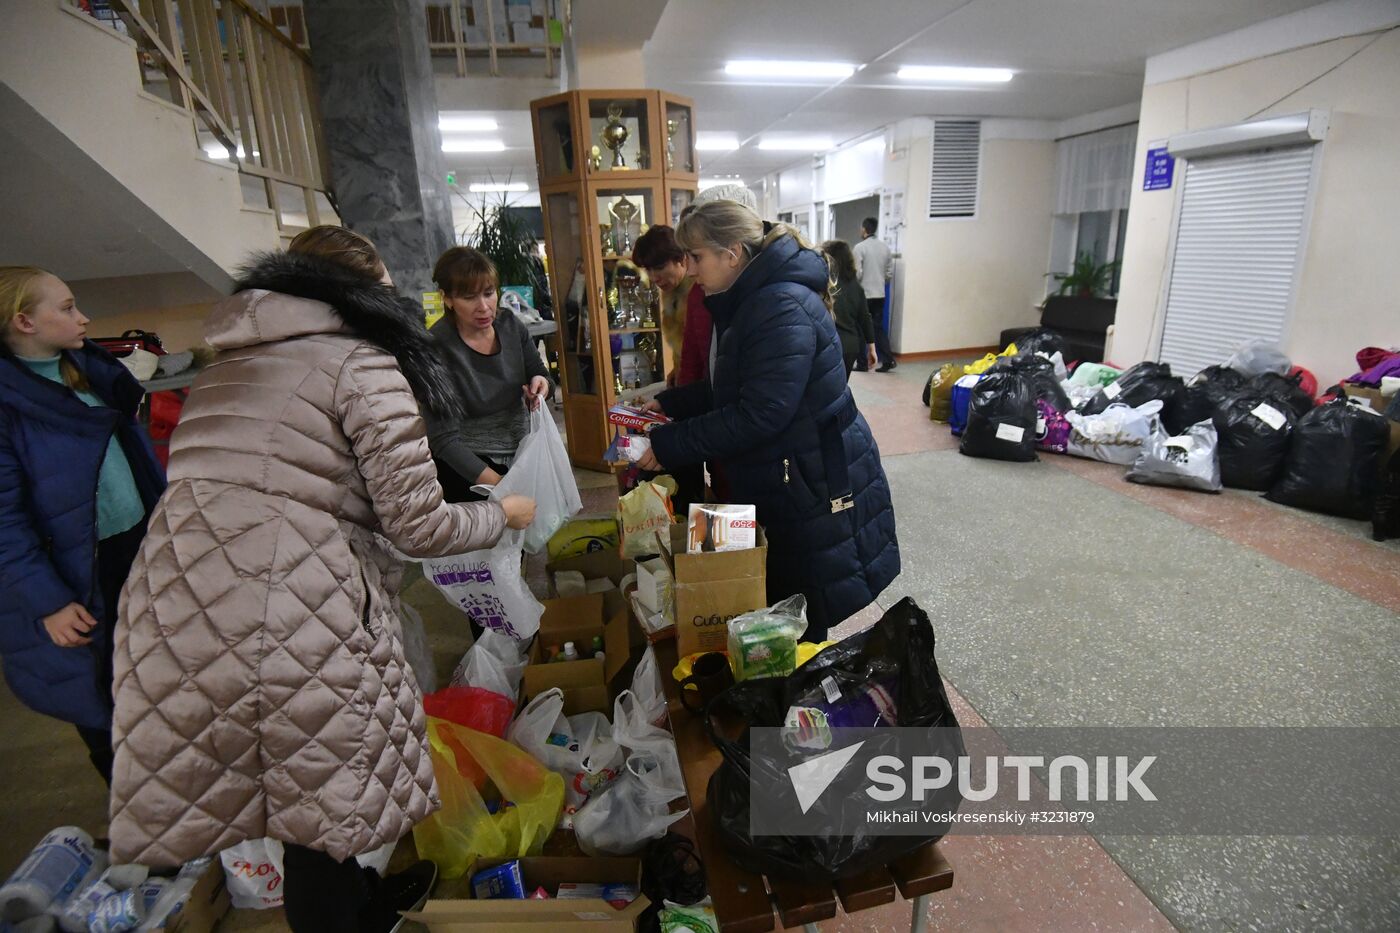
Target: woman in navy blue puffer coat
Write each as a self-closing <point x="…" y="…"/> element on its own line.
<point x="778" y="415"/>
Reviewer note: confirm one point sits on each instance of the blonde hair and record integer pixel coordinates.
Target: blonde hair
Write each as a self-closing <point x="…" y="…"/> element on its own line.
<point x="341" y="246"/>
<point x="719" y="225"/>
<point x="18" y="296"/>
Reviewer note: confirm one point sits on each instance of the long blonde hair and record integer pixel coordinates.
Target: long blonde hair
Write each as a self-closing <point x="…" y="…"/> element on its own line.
<point x="18" y="296"/>
<point x="720" y="224"/>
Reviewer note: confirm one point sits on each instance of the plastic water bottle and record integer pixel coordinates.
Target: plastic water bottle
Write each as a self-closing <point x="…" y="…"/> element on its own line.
<point x="570" y="651"/>
<point x="61" y="864"/>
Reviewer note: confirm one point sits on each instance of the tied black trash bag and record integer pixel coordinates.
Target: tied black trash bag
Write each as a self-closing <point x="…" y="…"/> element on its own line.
<point x="1042" y="374"/>
<point x="1334" y="461"/>
<point x="1385" y="516"/>
<point x="1042" y="340"/>
<point x="1254" y="435"/>
<point x="1001" y="418"/>
<point x="1206" y="391"/>
<point x="1282" y="391"/>
<point x="1143" y="383"/>
<point x="896" y="654"/>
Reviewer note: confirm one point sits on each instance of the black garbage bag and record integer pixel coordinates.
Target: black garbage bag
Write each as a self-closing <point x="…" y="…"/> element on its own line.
<point x="1001" y="418"/>
<point x="1334" y="461"/>
<point x="1282" y="391"/>
<point x="1385" y="515"/>
<point x="894" y="656"/>
<point x="1143" y="383"/>
<point x="1042" y="340"/>
<point x="1042" y="372"/>
<point x="1254" y="435"/>
<point x="1206" y="391"/>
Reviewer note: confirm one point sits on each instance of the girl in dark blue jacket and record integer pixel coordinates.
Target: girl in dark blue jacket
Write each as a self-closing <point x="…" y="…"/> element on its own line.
<point x="77" y="480"/>
<point x="779" y="417"/>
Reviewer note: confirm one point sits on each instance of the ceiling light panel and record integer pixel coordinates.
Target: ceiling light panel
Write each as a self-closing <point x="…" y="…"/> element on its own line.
<point x="795" y="143"/>
<point x="716" y="142"/>
<point x="485" y="188"/>
<point x="950" y="74"/>
<point x="771" y="68"/>
<point x="473" y="145"/>
<point x="450" y="123"/>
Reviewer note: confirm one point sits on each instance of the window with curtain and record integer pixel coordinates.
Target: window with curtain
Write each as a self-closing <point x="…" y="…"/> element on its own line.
<point x="1091" y="202"/>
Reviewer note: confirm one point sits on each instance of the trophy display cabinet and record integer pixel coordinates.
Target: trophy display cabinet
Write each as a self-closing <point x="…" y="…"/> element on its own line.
<point x="611" y="164"/>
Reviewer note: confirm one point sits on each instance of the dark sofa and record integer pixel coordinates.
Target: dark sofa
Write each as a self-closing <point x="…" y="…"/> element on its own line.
<point x="1082" y="322"/>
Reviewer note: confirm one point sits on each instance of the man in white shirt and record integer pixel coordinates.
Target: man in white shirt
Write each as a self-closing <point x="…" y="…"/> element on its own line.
<point x="875" y="267"/>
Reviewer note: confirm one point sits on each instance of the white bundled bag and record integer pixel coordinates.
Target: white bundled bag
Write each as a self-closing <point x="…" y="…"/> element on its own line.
<point x="648" y="690"/>
<point x="630" y="812"/>
<point x="579" y="748"/>
<point x="496" y="662"/>
<point x="541" y="471"/>
<point x="632" y="732"/>
<point x="1115" y="435"/>
<point x="488" y="586"/>
<point x="253" y="870"/>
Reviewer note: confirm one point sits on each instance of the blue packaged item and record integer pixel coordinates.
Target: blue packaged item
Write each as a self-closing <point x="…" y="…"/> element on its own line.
<point x="499" y="881"/>
<point x="962" y="397"/>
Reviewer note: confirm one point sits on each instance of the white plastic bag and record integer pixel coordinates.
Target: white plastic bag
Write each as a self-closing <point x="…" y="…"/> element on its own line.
<point x="580" y="748"/>
<point x="541" y="471"/>
<point x="1254" y="357"/>
<point x="1115" y="435"/>
<point x="630" y="812"/>
<point x="495" y="662"/>
<point x="488" y="587"/>
<point x="632" y="733"/>
<point x="253" y="870"/>
<point x="415" y="648"/>
<point x="1188" y="461"/>
<point x="1057" y="359"/>
<point x="649" y="690"/>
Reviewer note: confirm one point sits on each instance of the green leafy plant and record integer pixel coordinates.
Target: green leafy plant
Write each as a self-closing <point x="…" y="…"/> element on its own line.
<point x="507" y="240"/>
<point x="1087" y="279"/>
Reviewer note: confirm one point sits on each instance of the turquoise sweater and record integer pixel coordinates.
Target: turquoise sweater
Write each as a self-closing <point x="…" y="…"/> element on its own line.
<point x="119" y="506"/>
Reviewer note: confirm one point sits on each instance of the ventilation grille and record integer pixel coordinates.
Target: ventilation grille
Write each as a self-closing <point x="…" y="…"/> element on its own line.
<point x="957" y="147"/>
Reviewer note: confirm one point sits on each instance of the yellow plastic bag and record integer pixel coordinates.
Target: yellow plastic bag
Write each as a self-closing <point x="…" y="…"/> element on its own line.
<point x="464" y="830"/>
<point x="940" y="395"/>
<point x="981" y="366"/>
<point x="644" y="515"/>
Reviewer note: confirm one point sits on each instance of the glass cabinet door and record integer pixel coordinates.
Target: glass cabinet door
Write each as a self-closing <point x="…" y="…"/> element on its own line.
<point x="680" y="136"/>
<point x="620" y="134"/>
<point x="679" y="199"/>
<point x="564" y="223"/>
<point x="631" y="304"/>
<point x="558" y="147"/>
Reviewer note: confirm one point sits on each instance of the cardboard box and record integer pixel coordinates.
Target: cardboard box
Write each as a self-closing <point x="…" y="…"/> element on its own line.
<point x="207" y="904"/>
<point x="713" y="588"/>
<point x="656" y="588"/>
<point x="1378" y="403"/>
<point x="587" y="682"/>
<point x="468" y="915"/>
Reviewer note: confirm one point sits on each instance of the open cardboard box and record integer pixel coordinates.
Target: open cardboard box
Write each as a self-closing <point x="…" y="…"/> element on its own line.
<point x="586" y="683"/>
<point x="712" y="588"/>
<point x="1377" y="403"/>
<point x="469" y="915"/>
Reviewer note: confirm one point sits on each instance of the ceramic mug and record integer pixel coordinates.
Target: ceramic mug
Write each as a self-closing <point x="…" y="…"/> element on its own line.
<point x="711" y="676"/>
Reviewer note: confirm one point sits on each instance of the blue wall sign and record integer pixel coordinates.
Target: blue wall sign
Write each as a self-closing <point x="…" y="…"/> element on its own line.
<point x="1159" y="170"/>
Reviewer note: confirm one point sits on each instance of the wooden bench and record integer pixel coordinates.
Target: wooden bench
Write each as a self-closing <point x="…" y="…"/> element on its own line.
<point x="745" y="902"/>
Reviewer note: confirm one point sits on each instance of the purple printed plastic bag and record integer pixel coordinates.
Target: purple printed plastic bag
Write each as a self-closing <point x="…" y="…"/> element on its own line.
<point x="1051" y="428"/>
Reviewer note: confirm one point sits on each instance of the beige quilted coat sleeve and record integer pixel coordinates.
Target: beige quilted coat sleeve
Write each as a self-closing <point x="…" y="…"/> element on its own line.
<point x="378" y="412"/>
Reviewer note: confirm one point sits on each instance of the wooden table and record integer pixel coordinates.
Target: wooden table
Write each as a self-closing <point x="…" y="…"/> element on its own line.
<point x="742" y="900"/>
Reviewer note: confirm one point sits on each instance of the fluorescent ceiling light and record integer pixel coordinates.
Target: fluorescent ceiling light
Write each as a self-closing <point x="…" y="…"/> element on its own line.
<point x="716" y="142"/>
<point x="765" y="68"/>
<point x="473" y="145"/>
<point x="795" y="143"/>
<point x="955" y="75"/>
<point x="462" y="124"/>
<point x="478" y="187"/>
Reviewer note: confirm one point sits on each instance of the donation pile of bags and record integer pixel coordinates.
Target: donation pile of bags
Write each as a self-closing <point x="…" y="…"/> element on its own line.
<point x="1250" y="422"/>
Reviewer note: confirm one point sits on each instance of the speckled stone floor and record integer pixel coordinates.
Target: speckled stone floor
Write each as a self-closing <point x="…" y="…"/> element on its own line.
<point x="1061" y="595"/>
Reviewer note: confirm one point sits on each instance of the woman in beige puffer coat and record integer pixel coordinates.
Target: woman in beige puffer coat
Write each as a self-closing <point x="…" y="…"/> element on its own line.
<point x="260" y="681"/>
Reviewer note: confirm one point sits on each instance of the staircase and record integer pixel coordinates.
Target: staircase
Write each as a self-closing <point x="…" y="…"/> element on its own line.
<point x="188" y="126"/>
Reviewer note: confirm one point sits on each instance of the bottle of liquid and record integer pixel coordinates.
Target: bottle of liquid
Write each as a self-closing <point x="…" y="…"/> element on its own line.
<point x="597" y="643"/>
<point x="570" y="652"/>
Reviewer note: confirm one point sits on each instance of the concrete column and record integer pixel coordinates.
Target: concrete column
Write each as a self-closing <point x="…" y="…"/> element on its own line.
<point x="379" y="111"/>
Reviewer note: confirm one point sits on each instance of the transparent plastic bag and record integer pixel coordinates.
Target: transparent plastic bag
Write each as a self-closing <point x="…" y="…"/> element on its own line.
<point x="464" y="829"/>
<point x="632" y="733"/>
<point x="630" y="812"/>
<point x="541" y="470"/>
<point x="645" y="516"/>
<point x="580" y="749"/>
<point x="1259" y="356"/>
<point x="487" y="585"/>
<point x="494" y="662"/>
<point x="1115" y="435"/>
<point x="763" y="643"/>
<point x="648" y="689"/>
<point x="415" y="647"/>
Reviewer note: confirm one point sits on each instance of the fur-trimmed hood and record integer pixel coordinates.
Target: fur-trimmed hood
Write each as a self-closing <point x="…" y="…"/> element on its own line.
<point x="282" y="296"/>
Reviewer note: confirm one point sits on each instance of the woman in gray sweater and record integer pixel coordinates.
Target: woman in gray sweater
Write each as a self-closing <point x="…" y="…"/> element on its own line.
<point x="496" y="371"/>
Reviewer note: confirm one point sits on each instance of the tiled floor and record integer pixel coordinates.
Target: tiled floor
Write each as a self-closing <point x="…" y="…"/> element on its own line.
<point x="1061" y="595"/>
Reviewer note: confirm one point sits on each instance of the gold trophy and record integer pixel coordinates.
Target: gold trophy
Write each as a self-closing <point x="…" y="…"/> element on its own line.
<point x="672" y="127"/>
<point x="595" y="159"/>
<point x="625" y="226"/>
<point x="615" y="135"/>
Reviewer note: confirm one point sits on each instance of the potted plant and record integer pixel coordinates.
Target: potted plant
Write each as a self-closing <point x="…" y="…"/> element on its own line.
<point x="507" y="240"/>
<point x="1087" y="279"/>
